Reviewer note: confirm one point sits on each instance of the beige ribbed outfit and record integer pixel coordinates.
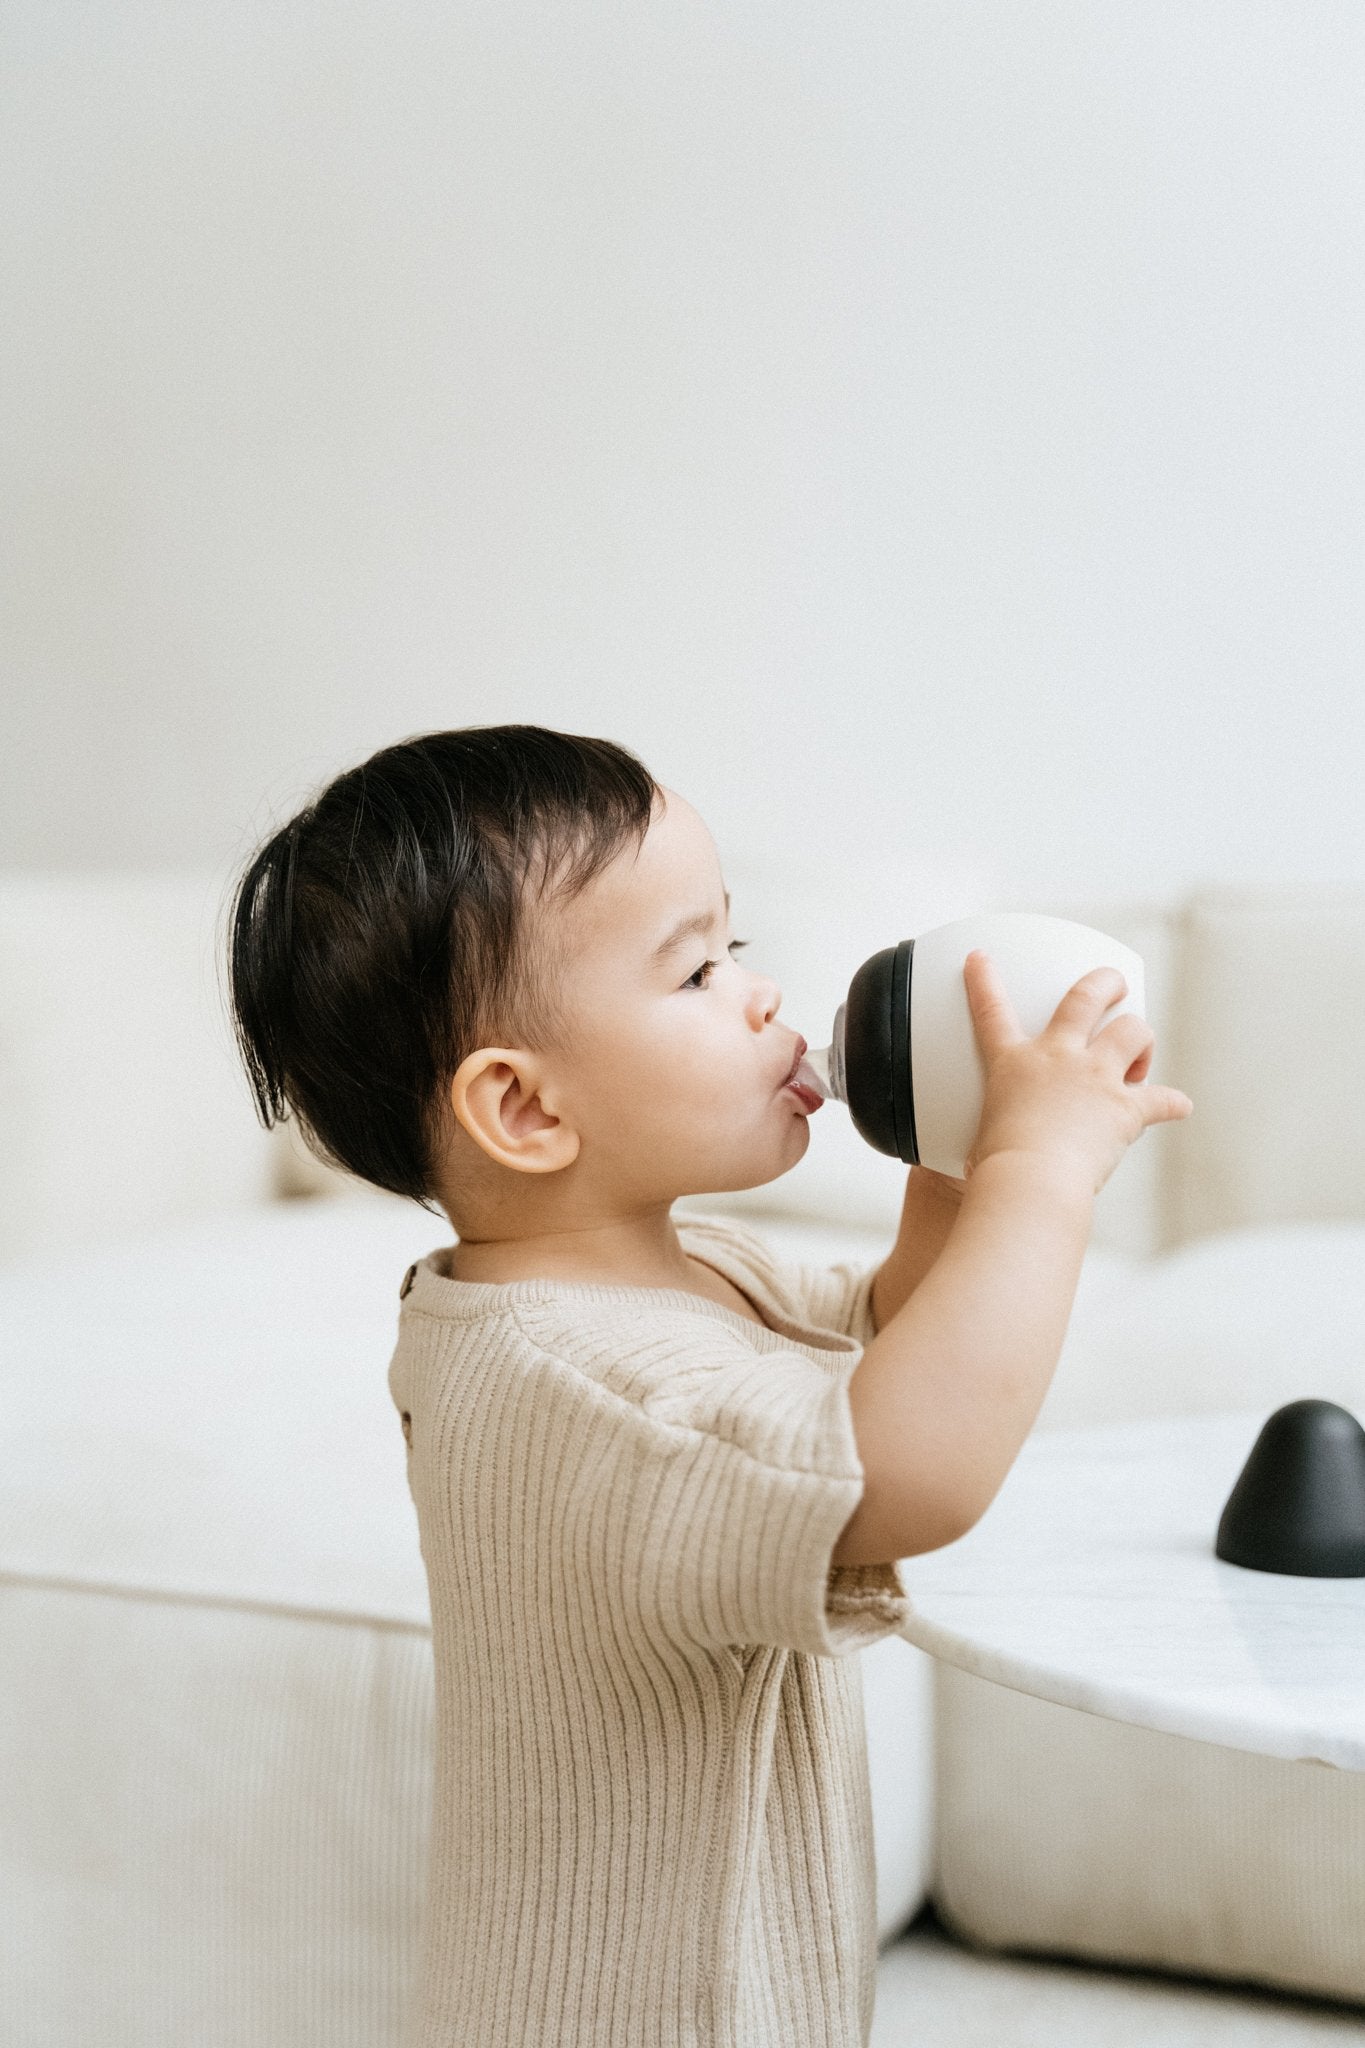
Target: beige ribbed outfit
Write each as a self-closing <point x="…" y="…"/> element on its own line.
<point x="652" y="1822"/>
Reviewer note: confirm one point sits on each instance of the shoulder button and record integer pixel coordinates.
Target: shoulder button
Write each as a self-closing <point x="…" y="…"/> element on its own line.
<point x="408" y="1279"/>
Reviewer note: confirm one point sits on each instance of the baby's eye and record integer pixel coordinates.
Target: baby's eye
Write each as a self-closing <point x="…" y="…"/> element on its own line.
<point x="707" y="965"/>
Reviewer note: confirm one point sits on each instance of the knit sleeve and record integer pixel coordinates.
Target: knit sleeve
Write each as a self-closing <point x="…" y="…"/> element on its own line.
<point x="835" y="1297"/>
<point x="710" y="1483"/>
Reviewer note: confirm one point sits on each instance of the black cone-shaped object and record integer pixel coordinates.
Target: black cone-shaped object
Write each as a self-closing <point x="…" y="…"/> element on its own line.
<point x="1299" y="1504"/>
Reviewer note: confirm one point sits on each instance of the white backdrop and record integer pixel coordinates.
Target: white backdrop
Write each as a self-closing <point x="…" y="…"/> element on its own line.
<point x="923" y="430"/>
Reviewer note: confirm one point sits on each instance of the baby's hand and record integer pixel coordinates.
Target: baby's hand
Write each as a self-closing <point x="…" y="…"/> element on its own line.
<point x="1065" y="1097"/>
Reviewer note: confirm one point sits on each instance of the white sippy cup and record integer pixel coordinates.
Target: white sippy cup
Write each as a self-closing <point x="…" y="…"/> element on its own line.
<point x="904" y="1057"/>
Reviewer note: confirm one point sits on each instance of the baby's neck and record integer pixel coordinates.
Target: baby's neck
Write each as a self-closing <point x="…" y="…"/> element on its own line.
<point x="641" y="1252"/>
<point x="694" y="1278"/>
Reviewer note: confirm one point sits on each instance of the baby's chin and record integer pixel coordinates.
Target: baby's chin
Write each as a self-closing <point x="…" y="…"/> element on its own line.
<point x="730" y="1171"/>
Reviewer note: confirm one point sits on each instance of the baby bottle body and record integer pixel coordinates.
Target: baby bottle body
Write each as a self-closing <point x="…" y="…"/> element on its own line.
<point x="903" y="1055"/>
<point x="1038" y="959"/>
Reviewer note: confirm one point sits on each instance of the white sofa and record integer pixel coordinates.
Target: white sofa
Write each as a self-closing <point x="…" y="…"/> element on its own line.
<point x="215" y="1718"/>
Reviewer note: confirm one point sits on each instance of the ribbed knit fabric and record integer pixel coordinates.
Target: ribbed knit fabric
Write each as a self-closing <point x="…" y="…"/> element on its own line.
<point x="652" y="1822"/>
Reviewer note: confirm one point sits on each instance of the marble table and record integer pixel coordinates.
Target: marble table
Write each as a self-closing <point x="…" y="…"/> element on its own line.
<point x="1091" y="1580"/>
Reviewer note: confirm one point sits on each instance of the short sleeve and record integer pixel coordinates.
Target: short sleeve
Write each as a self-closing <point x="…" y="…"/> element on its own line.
<point x="835" y="1297"/>
<point x="716" y="1479"/>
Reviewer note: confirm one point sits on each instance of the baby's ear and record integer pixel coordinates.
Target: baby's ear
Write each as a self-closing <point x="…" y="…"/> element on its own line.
<point x="495" y="1097"/>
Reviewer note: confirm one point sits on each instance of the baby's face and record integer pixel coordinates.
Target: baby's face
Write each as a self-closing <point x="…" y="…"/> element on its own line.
<point x="674" y="1080"/>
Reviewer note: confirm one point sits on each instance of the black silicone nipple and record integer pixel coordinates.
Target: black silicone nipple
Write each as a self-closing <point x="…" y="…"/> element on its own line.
<point x="1299" y="1503"/>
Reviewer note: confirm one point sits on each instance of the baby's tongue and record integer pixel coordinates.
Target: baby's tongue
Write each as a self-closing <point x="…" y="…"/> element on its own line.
<point x="813" y="1073"/>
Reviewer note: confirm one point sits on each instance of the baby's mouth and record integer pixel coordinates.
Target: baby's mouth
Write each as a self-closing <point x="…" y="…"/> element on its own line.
<point x="800" y="1081"/>
<point x="798" y="1056"/>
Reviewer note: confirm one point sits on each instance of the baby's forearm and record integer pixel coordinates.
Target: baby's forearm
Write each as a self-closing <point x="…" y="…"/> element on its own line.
<point x="946" y="1392"/>
<point x="928" y="1212"/>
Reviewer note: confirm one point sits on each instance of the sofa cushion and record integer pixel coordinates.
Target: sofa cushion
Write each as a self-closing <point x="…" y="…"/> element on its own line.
<point x="1266" y="1042"/>
<point x="1065" y="1834"/>
<point x="204" y="1412"/>
<point x="215" y="1731"/>
<point x="122" y="1102"/>
<point x="1240" y="1319"/>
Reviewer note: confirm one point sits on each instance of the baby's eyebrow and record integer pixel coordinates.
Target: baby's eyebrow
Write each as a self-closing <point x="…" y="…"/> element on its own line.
<point x="700" y="923"/>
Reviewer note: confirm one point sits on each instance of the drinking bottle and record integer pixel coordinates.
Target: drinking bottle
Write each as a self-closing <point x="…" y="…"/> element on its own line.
<point x="903" y="1056"/>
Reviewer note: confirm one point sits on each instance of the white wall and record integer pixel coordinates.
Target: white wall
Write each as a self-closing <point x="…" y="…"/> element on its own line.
<point x="933" y="428"/>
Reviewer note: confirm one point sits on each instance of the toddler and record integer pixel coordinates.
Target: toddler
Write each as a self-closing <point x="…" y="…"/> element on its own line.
<point x="661" y="1478"/>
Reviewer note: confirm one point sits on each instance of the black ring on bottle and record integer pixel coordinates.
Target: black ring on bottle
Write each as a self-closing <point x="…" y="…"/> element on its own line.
<point x="902" y="1072"/>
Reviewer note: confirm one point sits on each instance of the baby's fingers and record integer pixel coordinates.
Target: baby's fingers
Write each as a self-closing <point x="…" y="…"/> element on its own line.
<point x="992" y="1011"/>
<point x="1134" y="1040"/>
<point x="1165" y="1105"/>
<point x="1141" y="1067"/>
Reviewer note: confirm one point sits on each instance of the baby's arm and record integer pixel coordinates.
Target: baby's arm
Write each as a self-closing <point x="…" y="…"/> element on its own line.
<point x="945" y="1394"/>
<point x="928" y="1213"/>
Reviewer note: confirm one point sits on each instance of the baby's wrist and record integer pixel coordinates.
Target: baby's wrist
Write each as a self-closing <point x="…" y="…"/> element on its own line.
<point x="1047" y="1176"/>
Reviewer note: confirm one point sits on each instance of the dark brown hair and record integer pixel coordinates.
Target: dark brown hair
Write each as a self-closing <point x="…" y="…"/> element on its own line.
<point x="388" y="930"/>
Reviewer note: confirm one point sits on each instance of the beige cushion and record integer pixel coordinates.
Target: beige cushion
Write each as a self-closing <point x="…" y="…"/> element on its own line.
<point x="215" y="1726"/>
<point x="213" y="1821"/>
<point x="1066" y="1834"/>
<point x="1267" y="1043"/>
<point x="122" y="1102"/>
<point x="1241" y="1319"/>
